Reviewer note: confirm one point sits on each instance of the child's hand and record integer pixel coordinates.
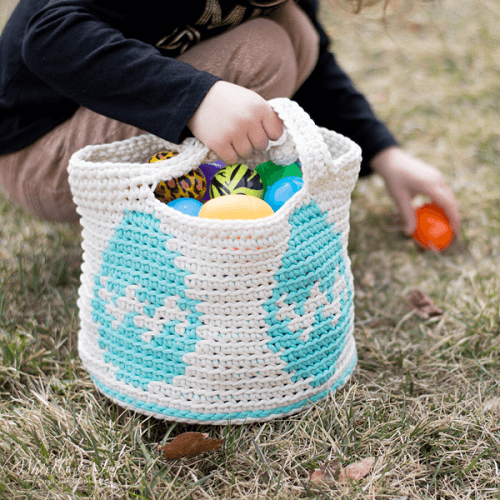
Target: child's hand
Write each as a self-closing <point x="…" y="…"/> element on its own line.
<point x="405" y="177"/>
<point x="233" y="121"/>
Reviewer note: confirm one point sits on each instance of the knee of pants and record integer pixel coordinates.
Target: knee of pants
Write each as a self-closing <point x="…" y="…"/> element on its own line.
<point x="257" y="55"/>
<point x="23" y="181"/>
<point x="305" y="38"/>
<point x="265" y="60"/>
<point x="51" y="202"/>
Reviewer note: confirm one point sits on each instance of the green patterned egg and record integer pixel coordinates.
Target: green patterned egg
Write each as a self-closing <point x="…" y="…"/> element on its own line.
<point x="236" y="179"/>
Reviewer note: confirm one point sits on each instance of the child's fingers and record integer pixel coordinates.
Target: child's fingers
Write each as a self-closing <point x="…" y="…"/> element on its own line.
<point x="442" y="195"/>
<point x="273" y="125"/>
<point x="403" y="202"/>
<point x="230" y="147"/>
<point x="242" y="146"/>
<point x="445" y="198"/>
<point x="226" y="153"/>
<point x="233" y="121"/>
<point x="259" y="139"/>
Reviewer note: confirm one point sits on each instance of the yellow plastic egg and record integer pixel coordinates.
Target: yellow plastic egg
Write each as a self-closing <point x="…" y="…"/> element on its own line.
<point x="235" y="206"/>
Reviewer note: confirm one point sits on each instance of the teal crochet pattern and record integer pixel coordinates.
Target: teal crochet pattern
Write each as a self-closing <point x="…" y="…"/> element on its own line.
<point x="216" y="321"/>
<point x="137" y="262"/>
<point x="138" y="266"/>
<point x="313" y="261"/>
<point x="235" y="416"/>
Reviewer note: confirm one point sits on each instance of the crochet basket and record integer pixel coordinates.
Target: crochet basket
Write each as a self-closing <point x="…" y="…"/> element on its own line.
<point x="216" y="321"/>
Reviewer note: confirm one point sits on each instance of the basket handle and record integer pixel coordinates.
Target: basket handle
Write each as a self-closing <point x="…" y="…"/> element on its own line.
<point x="313" y="152"/>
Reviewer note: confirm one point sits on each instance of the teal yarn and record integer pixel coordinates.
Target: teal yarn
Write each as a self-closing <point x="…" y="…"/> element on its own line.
<point x="314" y="256"/>
<point x="137" y="255"/>
<point x="137" y="258"/>
<point x="240" y="417"/>
<point x="137" y="261"/>
<point x="216" y="322"/>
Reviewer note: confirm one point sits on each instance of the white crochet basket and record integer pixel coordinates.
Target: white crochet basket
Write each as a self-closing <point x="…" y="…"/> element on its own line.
<point x="216" y="321"/>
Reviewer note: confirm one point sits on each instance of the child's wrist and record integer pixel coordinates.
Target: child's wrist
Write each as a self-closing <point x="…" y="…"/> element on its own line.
<point x="382" y="162"/>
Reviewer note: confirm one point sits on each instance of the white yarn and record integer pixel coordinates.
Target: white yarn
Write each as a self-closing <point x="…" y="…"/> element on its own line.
<point x="203" y="320"/>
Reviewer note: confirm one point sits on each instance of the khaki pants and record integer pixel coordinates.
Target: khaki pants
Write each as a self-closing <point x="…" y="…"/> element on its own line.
<point x="272" y="56"/>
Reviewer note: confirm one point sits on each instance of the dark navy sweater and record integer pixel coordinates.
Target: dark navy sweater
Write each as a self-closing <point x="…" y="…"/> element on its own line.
<point x="118" y="59"/>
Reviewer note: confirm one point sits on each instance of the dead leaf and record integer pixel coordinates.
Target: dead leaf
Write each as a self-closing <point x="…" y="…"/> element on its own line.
<point x="422" y="305"/>
<point x="326" y="473"/>
<point x="356" y="471"/>
<point x="189" y="444"/>
<point x="317" y="476"/>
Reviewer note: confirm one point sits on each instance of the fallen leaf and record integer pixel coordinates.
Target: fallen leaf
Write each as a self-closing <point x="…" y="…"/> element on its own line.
<point x="422" y="305"/>
<point x="356" y="471"/>
<point x="189" y="444"/>
<point x="326" y="473"/>
<point x="317" y="476"/>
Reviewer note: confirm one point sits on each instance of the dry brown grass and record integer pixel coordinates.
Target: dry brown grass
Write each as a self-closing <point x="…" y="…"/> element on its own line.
<point x="425" y="399"/>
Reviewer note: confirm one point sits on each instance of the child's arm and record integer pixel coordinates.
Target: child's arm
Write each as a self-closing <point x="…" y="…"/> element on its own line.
<point x="129" y="80"/>
<point x="406" y="176"/>
<point x="333" y="102"/>
<point x="99" y="54"/>
<point x="233" y="121"/>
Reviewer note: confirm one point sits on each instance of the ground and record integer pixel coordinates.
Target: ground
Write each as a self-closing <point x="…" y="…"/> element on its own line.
<point x="424" y="400"/>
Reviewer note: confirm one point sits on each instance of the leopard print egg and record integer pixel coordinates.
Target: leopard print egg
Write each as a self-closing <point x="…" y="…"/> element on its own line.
<point x="191" y="185"/>
<point x="162" y="155"/>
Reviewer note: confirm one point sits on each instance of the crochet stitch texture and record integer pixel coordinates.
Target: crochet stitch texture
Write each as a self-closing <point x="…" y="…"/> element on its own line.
<point x="209" y="321"/>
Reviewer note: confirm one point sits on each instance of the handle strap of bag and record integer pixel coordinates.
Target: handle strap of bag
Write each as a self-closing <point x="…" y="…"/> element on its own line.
<point x="308" y="143"/>
<point x="312" y="150"/>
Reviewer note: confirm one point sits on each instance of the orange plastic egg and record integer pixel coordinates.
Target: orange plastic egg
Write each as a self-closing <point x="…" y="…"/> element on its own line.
<point x="433" y="228"/>
<point x="235" y="206"/>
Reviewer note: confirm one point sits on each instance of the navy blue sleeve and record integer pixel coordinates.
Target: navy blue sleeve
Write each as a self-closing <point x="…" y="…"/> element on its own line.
<point x="332" y="101"/>
<point x="77" y="49"/>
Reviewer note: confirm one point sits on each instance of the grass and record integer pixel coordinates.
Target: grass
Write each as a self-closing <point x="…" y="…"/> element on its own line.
<point x="425" y="398"/>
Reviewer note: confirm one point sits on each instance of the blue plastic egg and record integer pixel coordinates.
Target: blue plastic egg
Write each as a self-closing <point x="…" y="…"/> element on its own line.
<point x="188" y="206"/>
<point x="281" y="191"/>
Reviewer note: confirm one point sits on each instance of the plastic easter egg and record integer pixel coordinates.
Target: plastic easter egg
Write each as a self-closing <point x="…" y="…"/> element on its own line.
<point x="236" y="179"/>
<point x="209" y="170"/>
<point x="162" y="155"/>
<point x="191" y="185"/>
<point x="270" y="172"/>
<point x="433" y="228"/>
<point x="188" y="206"/>
<point x="235" y="206"/>
<point x="281" y="191"/>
